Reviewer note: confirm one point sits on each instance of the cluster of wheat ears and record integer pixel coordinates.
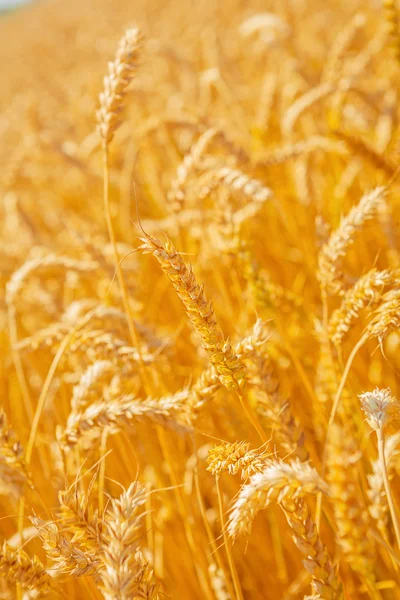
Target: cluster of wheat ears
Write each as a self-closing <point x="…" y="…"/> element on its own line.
<point x="200" y="300"/>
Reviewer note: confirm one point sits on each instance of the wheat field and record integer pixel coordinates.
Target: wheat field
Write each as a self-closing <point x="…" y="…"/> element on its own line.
<point x="200" y="300"/>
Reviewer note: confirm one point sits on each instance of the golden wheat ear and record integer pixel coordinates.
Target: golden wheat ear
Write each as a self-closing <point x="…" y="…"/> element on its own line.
<point x="277" y="481"/>
<point x="390" y="11"/>
<point x="330" y="273"/>
<point x="198" y="308"/>
<point x="116" y="82"/>
<point x="119" y="577"/>
<point x="366" y="292"/>
<point x="17" y="567"/>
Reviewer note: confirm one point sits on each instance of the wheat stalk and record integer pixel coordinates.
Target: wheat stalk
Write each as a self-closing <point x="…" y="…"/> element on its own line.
<point x="120" y="72"/>
<point x="380" y="408"/>
<point x="351" y="515"/>
<point x="376" y="491"/>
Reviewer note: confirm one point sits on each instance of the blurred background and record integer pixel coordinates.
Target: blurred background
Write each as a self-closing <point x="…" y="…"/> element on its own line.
<point x="10" y="4"/>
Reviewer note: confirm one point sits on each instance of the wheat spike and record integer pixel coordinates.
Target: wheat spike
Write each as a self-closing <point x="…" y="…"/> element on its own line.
<point x="236" y="181"/>
<point x="206" y="386"/>
<point x="303" y="103"/>
<point x="218" y="582"/>
<point x="121" y="576"/>
<point x="91" y="384"/>
<point x="176" y="195"/>
<point x="29" y="573"/>
<point x="272" y="406"/>
<point x="277" y="481"/>
<point x="87" y="426"/>
<point x="12" y="454"/>
<point x="68" y="557"/>
<point x="77" y="515"/>
<point x="390" y="11"/>
<point x="50" y="264"/>
<point x="386" y="317"/>
<point x="337" y="53"/>
<point x="366" y="292"/>
<point x="324" y="580"/>
<point x="267" y="294"/>
<point x="332" y="253"/>
<point x="120" y="73"/>
<point x="364" y="149"/>
<point x="199" y="310"/>
<point x="380" y="408"/>
<point x="235" y="458"/>
<point x="302" y="148"/>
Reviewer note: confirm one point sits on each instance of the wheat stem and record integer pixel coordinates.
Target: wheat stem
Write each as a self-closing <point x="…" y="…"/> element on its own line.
<point x="232" y="568"/>
<point x="342" y="383"/>
<point x="252" y="418"/>
<point x="102" y="470"/>
<point x="118" y="266"/>
<point x="183" y="513"/>
<point x="215" y="549"/>
<point x="392" y="508"/>
<point x="331" y="420"/>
